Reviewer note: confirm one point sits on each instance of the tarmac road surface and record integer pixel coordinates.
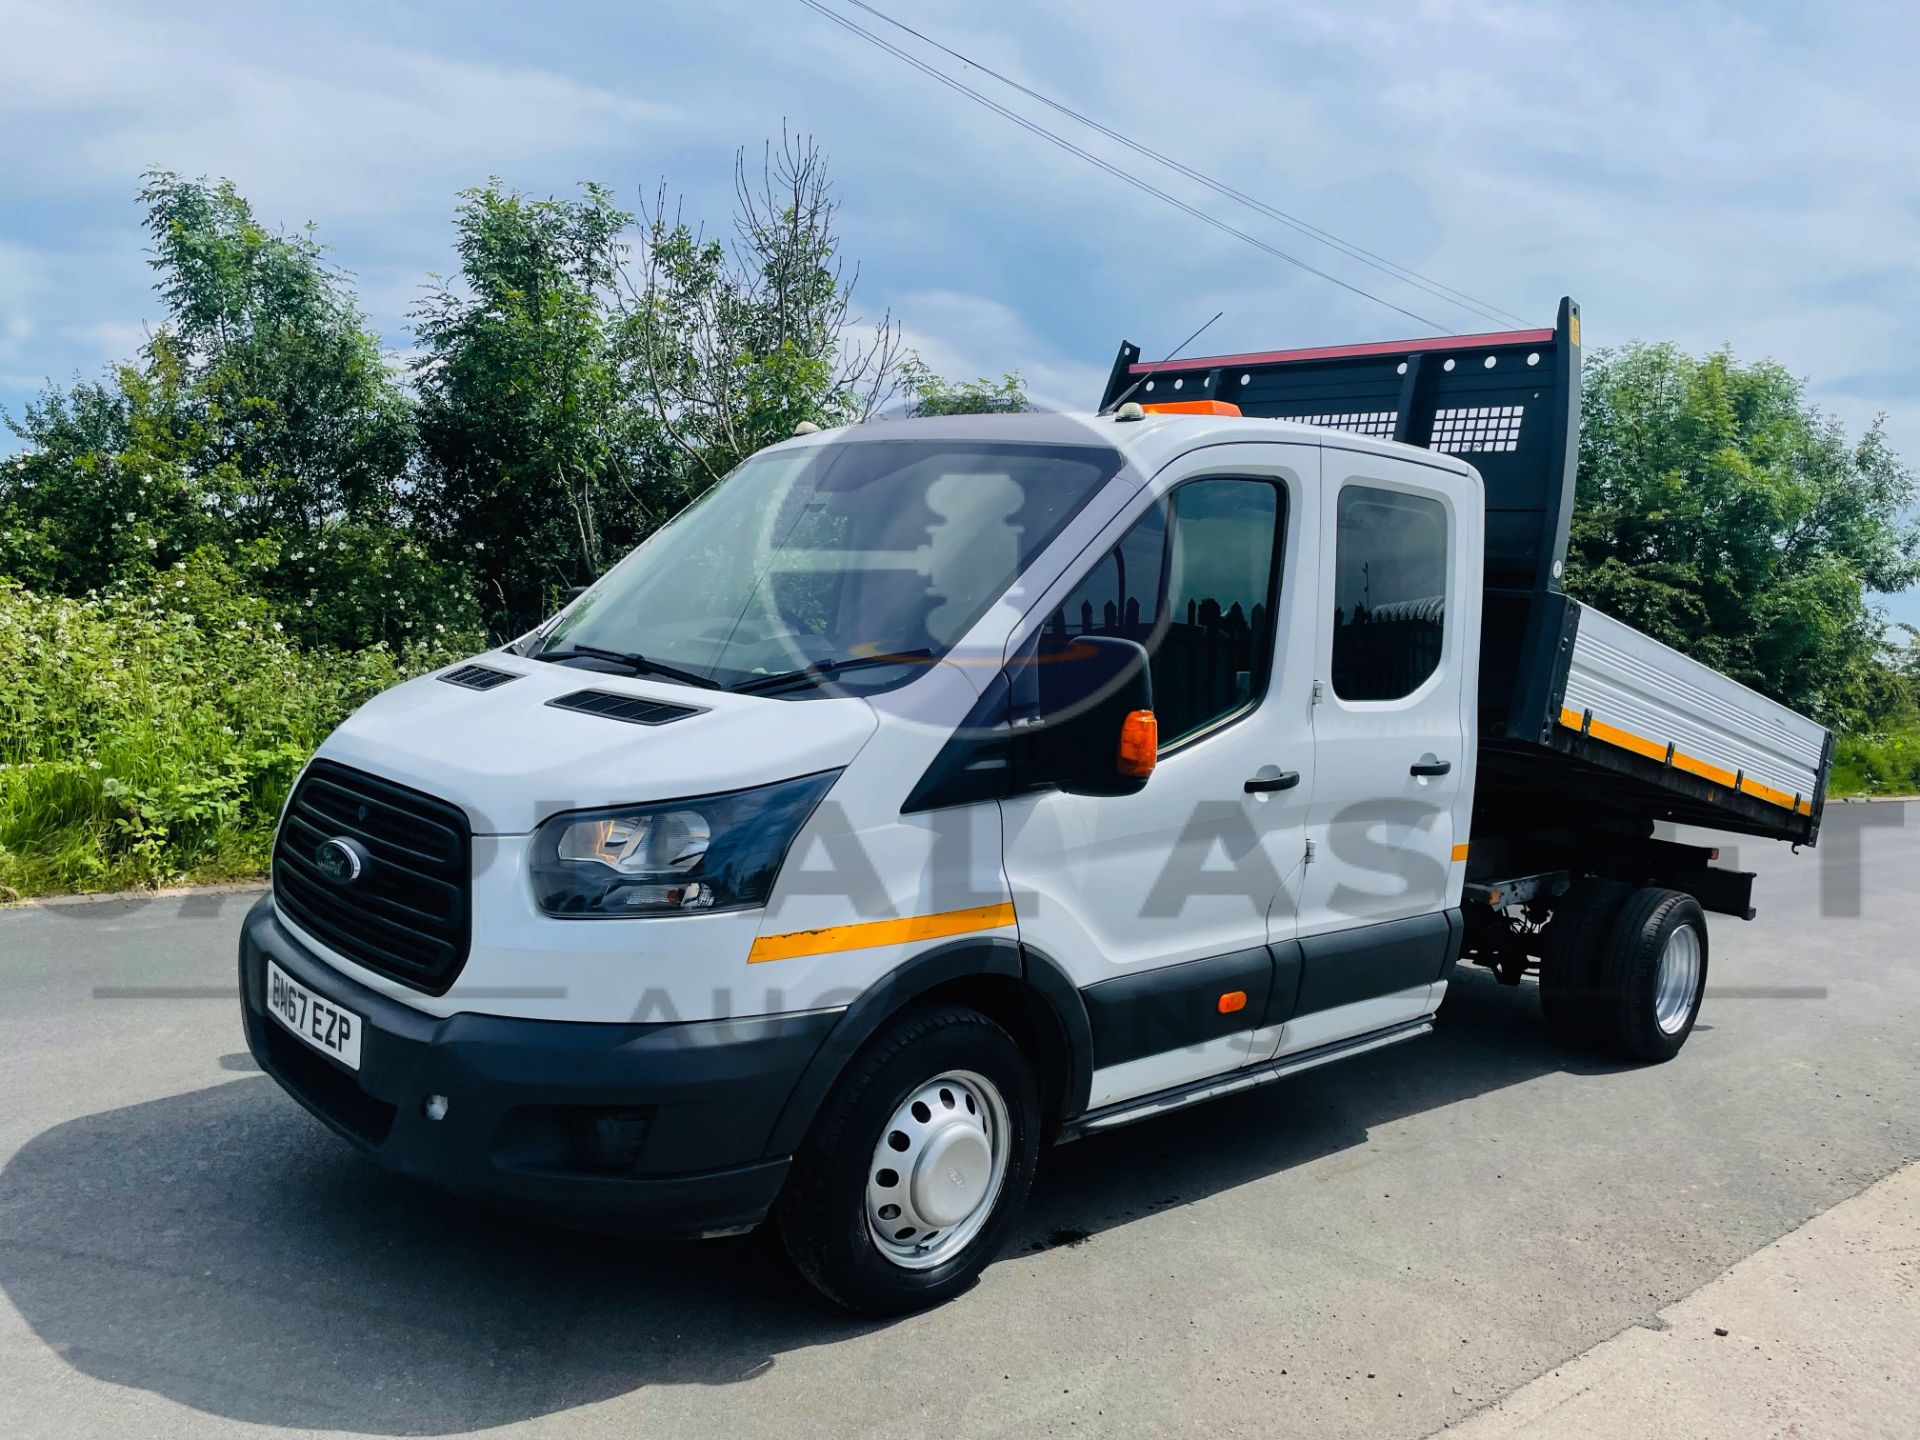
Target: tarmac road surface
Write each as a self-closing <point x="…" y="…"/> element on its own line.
<point x="1383" y="1247"/>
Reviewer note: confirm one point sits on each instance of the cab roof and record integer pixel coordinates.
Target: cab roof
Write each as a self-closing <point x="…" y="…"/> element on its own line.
<point x="1148" y="443"/>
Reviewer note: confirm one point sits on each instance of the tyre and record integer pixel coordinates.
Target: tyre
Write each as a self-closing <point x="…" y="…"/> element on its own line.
<point x="917" y="1165"/>
<point x="1653" y="972"/>
<point x="1570" y="988"/>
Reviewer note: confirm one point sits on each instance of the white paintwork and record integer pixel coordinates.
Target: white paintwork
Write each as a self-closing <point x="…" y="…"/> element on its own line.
<point x="509" y="759"/>
<point x="860" y="860"/>
<point x="1309" y="1032"/>
<point x="1161" y="1072"/>
<point x="1632" y="681"/>
<point x="1076" y="870"/>
<point x="524" y="963"/>
<point x="1109" y="886"/>
<point x="1247" y="1078"/>
<point x="1384" y="837"/>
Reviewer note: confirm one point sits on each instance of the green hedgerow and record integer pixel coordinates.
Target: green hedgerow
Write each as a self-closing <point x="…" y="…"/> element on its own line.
<point x="1881" y="763"/>
<point x="150" y="735"/>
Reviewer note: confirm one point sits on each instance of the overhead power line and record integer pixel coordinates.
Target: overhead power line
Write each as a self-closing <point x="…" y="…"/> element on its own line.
<point x="1118" y="172"/>
<point x="1348" y="248"/>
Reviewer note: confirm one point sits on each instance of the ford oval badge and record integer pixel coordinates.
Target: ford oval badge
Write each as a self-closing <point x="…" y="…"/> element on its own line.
<point x="340" y="860"/>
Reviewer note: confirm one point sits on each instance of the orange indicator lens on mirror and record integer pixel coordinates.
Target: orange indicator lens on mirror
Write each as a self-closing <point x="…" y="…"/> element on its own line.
<point x="1139" y="744"/>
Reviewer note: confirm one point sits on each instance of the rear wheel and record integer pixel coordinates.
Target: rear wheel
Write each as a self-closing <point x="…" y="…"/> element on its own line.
<point x="1570" y="981"/>
<point x="917" y="1166"/>
<point x="1654" y="973"/>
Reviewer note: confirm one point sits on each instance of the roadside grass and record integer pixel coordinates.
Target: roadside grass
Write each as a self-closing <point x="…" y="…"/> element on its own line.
<point x="149" y="737"/>
<point x="1876" y="763"/>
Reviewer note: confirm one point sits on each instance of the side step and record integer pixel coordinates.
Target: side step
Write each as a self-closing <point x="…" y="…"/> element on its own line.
<point x="1125" y="1112"/>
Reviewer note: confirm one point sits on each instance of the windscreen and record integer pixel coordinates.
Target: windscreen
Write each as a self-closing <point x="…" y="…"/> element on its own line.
<point x="837" y="553"/>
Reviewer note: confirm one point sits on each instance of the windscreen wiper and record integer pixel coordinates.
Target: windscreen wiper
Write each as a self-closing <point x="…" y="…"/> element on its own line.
<point x="826" y="670"/>
<point x="639" y="664"/>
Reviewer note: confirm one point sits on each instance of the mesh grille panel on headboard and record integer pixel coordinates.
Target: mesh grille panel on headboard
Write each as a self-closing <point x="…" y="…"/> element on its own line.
<point x="1377" y="423"/>
<point x="1509" y="403"/>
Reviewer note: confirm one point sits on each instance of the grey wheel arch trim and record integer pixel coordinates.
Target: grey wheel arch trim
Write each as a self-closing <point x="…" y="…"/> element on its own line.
<point x="925" y="972"/>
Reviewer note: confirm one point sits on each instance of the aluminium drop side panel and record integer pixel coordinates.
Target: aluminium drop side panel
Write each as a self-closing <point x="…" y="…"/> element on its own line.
<point x="1630" y="692"/>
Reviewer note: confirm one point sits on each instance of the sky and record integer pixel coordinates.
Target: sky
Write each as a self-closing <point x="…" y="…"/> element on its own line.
<point x="1704" y="173"/>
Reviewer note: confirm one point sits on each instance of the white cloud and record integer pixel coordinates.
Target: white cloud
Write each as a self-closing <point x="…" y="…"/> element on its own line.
<point x="339" y="127"/>
<point x="111" y="340"/>
<point x="21" y="281"/>
<point x="1701" y="171"/>
<point x="966" y="336"/>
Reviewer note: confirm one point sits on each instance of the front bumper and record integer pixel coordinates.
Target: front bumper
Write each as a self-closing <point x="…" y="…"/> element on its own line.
<point x="705" y="1095"/>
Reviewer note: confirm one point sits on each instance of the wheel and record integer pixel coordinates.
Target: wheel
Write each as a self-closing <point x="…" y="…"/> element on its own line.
<point x="917" y="1165"/>
<point x="1570" y="968"/>
<point x="1653" y="973"/>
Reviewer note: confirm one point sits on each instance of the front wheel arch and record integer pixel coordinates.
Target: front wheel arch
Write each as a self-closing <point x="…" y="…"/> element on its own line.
<point x="1019" y="988"/>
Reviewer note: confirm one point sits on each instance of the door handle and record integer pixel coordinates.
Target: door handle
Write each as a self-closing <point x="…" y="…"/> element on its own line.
<point x="1430" y="767"/>
<point x="1285" y="780"/>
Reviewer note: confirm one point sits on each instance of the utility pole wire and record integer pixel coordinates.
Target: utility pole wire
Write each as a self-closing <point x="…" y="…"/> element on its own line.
<point x="1116" y="171"/>
<point x="1305" y="227"/>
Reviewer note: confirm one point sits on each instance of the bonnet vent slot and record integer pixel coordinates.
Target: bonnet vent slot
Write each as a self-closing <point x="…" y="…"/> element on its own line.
<point x="478" y="677"/>
<point x="631" y="709"/>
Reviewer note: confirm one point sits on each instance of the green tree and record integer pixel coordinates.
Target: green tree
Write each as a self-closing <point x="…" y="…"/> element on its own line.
<point x="301" y="402"/>
<point x="1722" y="513"/>
<point x="730" y="347"/>
<point x="259" y="421"/>
<point x="928" y="394"/>
<point x="111" y="483"/>
<point x="533" y="457"/>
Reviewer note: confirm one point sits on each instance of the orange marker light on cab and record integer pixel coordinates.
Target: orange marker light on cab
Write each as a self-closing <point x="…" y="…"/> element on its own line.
<point x="1233" y="1000"/>
<point x="1192" y="407"/>
<point x="1139" y="744"/>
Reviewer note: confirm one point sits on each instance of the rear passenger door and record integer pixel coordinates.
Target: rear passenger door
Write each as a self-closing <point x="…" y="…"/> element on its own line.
<point x="1395" y="647"/>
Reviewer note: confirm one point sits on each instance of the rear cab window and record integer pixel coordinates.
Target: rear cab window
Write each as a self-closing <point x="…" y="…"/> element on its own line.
<point x="1389" y="592"/>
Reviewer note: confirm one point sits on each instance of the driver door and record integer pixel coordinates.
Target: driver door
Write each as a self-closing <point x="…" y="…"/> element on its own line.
<point x="1159" y="904"/>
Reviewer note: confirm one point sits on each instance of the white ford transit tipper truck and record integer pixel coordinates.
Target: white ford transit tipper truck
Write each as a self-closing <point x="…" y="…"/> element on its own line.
<point x="931" y="791"/>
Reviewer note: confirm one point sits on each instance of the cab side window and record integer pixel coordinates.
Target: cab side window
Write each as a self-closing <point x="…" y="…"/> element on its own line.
<point x="1121" y="594"/>
<point x="1213" y="660"/>
<point x="1194" y="581"/>
<point x="1389" y="592"/>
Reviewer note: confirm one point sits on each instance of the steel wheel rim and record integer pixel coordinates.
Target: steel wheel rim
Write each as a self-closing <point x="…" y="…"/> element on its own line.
<point x="929" y="1197"/>
<point x="1678" y="981"/>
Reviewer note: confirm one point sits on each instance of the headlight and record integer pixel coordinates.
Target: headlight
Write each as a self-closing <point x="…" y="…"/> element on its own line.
<point x="715" y="852"/>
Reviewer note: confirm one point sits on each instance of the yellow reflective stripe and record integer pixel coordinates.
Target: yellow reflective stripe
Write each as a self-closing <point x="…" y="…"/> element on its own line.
<point x="1778" y="797"/>
<point x="1703" y="769"/>
<point x="1653" y="750"/>
<point x="866" y="935"/>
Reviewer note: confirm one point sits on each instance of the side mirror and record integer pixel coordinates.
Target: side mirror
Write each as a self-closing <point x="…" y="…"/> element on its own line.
<point x="1096" y="733"/>
<point x="1072" y="715"/>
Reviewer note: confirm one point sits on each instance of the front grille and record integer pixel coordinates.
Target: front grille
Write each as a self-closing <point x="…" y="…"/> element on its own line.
<point x="408" y="915"/>
<point x="633" y="709"/>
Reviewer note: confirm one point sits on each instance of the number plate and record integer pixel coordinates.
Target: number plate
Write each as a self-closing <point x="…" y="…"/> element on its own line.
<point x="314" y="1018"/>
